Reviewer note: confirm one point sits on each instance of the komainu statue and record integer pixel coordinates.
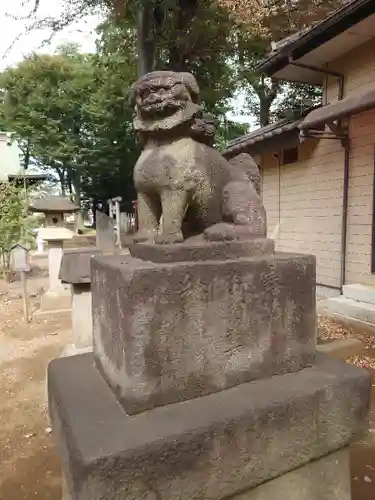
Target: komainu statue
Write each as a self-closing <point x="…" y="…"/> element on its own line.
<point x="181" y="177"/>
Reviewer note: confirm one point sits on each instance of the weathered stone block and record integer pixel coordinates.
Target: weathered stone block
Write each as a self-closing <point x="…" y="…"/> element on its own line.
<point x="168" y="332"/>
<point x="75" y="265"/>
<point x="207" y="448"/>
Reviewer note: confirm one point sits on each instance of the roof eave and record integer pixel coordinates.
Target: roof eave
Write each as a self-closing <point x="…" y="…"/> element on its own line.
<point x="329" y="28"/>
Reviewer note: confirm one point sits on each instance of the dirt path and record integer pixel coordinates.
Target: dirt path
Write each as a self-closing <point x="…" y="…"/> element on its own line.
<point x="363" y="452"/>
<point x="29" y="464"/>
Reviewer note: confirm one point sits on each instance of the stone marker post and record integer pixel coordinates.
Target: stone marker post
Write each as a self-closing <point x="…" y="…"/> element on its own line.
<point x="117" y="202"/>
<point x="110" y="207"/>
<point x="39" y="243"/>
<point x="75" y="271"/>
<point x="204" y="382"/>
<point x="105" y="232"/>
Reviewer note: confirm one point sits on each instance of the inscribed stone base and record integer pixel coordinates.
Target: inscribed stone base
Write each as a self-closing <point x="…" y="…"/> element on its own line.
<point x="327" y="478"/>
<point x="194" y="328"/>
<point x="206" y="448"/>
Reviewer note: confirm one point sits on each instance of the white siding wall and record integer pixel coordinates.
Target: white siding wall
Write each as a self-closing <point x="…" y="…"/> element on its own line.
<point x="361" y="175"/>
<point x="308" y="212"/>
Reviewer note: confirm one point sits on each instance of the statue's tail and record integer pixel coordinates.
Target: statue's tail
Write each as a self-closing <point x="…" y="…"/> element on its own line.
<point x="246" y="163"/>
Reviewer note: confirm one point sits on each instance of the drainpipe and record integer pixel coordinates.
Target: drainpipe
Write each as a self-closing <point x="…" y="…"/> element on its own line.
<point x="344" y="221"/>
<point x="345" y="195"/>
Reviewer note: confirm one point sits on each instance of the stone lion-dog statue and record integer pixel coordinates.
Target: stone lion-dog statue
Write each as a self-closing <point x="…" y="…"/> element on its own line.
<point x="180" y="176"/>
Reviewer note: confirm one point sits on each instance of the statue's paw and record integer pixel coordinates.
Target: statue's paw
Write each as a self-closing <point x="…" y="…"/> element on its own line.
<point x="219" y="232"/>
<point x="144" y="235"/>
<point x="225" y="232"/>
<point x="169" y="238"/>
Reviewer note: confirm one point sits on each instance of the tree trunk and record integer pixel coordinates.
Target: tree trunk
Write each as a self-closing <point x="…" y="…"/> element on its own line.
<point x="185" y="13"/>
<point x="69" y="178"/>
<point x="61" y="174"/>
<point x="76" y="178"/>
<point x="94" y="209"/>
<point x="264" y="111"/>
<point x="146" y="42"/>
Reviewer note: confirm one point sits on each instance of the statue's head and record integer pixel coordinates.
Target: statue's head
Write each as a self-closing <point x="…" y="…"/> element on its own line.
<point x="164" y="100"/>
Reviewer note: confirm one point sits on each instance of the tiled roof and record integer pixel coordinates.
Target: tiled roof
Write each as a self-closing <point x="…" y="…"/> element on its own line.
<point x="264" y="133"/>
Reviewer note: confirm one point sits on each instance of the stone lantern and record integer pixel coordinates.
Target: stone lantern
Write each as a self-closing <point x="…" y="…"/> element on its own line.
<point x="54" y="233"/>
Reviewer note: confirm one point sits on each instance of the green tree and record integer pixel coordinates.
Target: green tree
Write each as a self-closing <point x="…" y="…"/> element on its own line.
<point x="219" y="41"/>
<point x="15" y="223"/>
<point x="111" y="149"/>
<point x="45" y="97"/>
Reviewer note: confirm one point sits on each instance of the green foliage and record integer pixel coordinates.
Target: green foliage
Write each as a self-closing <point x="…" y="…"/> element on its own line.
<point x="15" y="224"/>
<point x="295" y="98"/>
<point x="266" y="98"/>
<point x="45" y="98"/>
<point x="228" y="130"/>
<point x="111" y="149"/>
<point x="71" y="112"/>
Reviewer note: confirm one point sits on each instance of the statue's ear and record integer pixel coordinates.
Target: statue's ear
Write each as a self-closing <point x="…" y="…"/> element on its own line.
<point x="191" y="84"/>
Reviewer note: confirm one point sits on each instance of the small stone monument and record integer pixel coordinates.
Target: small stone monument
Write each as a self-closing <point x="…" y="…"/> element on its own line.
<point x="204" y="382"/>
<point x="105" y="232"/>
<point x="58" y="296"/>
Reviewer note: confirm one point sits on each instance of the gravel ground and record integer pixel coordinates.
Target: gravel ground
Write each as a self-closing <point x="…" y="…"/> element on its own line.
<point x="29" y="465"/>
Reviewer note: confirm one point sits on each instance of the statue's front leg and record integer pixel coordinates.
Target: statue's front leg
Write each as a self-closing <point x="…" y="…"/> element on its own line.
<point x="174" y="205"/>
<point x="148" y="218"/>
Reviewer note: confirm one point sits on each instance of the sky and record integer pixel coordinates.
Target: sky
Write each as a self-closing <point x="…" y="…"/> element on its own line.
<point x="16" y="42"/>
<point x="13" y="32"/>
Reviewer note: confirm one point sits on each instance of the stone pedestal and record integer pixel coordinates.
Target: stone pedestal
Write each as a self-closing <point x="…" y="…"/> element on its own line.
<point x="221" y="391"/>
<point x="209" y="447"/>
<point x="166" y="332"/>
<point x="75" y="271"/>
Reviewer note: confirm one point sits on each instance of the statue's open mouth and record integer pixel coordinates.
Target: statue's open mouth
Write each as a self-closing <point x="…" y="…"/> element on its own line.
<point x="159" y="105"/>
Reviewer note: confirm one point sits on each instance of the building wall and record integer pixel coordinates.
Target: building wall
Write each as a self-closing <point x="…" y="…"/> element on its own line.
<point x="304" y="205"/>
<point x="304" y="199"/>
<point x="360" y="194"/>
<point x="358" y="68"/>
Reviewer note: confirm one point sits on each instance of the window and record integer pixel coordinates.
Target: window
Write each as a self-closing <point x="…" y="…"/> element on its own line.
<point x="289" y="156"/>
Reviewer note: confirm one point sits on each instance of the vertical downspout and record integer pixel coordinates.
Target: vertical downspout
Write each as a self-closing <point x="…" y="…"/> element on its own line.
<point x="344" y="223"/>
<point x="344" y="218"/>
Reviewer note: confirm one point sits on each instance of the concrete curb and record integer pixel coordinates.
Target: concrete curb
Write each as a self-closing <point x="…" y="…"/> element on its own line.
<point x="342" y="348"/>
